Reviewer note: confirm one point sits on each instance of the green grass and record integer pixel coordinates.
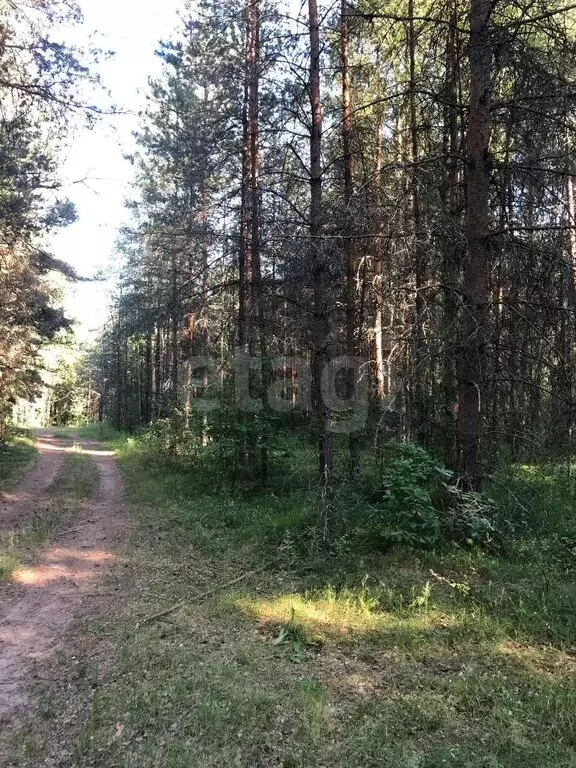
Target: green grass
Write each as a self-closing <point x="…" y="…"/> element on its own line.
<point x="16" y="457"/>
<point x="75" y="483"/>
<point x="458" y="658"/>
<point x="197" y="505"/>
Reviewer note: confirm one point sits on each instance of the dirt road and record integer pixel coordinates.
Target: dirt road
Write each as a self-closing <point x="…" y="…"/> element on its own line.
<point x="44" y="597"/>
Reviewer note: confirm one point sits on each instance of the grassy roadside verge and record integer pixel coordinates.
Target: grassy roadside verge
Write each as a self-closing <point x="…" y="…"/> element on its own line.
<point x="408" y="659"/>
<point x="17" y="456"/>
<point x="75" y="483"/>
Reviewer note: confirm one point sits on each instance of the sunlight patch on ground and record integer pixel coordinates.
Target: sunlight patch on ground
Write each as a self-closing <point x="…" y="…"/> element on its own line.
<point x="16" y="635"/>
<point x="68" y="563"/>
<point x="542" y="660"/>
<point x="93" y="452"/>
<point x="336" y="617"/>
<point x="44" y="446"/>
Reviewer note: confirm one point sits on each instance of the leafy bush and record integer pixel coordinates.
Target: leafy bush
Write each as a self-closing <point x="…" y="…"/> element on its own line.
<point x="406" y="513"/>
<point x="413" y="505"/>
<point x="397" y="507"/>
<point x="470" y="517"/>
<point x="174" y="438"/>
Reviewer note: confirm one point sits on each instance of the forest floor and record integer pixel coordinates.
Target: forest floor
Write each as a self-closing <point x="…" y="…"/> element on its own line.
<point x="175" y="643"/>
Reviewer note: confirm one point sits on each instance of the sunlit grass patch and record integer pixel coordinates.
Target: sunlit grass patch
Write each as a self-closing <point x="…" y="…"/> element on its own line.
<point x="347" y="618"/>
<point x="322" y="615"/>
<point x="9" y="559"/>
<point x="541" y="660"/>
<point x="204" y="690"/>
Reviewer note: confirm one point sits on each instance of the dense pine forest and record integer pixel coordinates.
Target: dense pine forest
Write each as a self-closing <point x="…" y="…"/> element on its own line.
<point x="337" y="379"/>
<point x="355" y="219"/>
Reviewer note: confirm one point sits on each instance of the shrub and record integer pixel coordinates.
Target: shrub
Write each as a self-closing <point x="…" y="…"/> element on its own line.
<point x="397" y="507"/>
<point x="174" y="438"/>
<point x="469" y="517"/>
<point x="406" y="513"/>
<point x="412" y="504"/>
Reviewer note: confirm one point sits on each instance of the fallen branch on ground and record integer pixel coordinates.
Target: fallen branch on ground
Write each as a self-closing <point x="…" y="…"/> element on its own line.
<point x="73" y="530"/>
<point x="201" y="596"/>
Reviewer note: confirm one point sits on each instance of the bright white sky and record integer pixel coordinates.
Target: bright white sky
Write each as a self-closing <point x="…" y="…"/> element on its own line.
<point x="131" y="28"/>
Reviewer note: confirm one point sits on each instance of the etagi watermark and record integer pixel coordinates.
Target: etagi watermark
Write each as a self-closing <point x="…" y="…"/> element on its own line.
<point x="344" y="387"/>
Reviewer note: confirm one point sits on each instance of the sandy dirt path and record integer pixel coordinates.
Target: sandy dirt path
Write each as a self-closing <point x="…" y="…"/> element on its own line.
<point x="46" y="596"/>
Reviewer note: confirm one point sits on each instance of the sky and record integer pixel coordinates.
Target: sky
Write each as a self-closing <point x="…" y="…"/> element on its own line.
<point x="95" y="173"/>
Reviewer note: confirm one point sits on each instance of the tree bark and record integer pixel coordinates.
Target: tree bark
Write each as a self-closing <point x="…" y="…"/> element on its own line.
<point x="417" y="384"/>
<point x="317" y="255"/>
<point x="452" y="256"/>
<point x="149" y="380"/>
<point x="378" y="266"/>
<point x="245" y="255"/>
<point x="571" y="201"/>
<point x="472" y="353"/>
<point x="257" y="287"/>
<point x="349" y="242"/>
<point x="174" y="329"/>
<point x="348" y="184"/>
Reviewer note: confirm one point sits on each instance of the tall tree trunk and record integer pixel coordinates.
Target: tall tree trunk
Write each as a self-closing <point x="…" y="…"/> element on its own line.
<point x="571" y="308"/>
<point x="158" y="373"/>
<point x="245" y="254"/>
<point x="349" y="242"/>
<point x="149" y="379"/>
<point x="174" y="329"/>
<point x="252" y="325"/>
<point x="190" y="328"/>
<point x="317" y="255"/>
<point x="417" y="372"/>
<point x="571" y="201"/>
<point x="452" y="257"/>
<point x="348" y="183"/>
<point x="253" y="165"/>
<point x="257" y="288"/>
<point x="472" y="353"/>
<point x="378" y="265"/>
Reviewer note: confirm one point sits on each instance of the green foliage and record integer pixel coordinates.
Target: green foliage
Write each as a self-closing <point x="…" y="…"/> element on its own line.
<point x="73" y="400"/>
<point x="173" y="438"/>
<point x="409" y="502"/>
<point x="408" y="515"/>
<point x="294" y="635"/>
<point x="535" y="497"/>
<point x="412" y="501"/>
<point x="230" y="444"/>
<point x="17" y="453"/>
<point x="40" y="79"/>
<point x="469" y="517"/>
<point x="405" y="499"/>
<point x="240" y="438"/>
